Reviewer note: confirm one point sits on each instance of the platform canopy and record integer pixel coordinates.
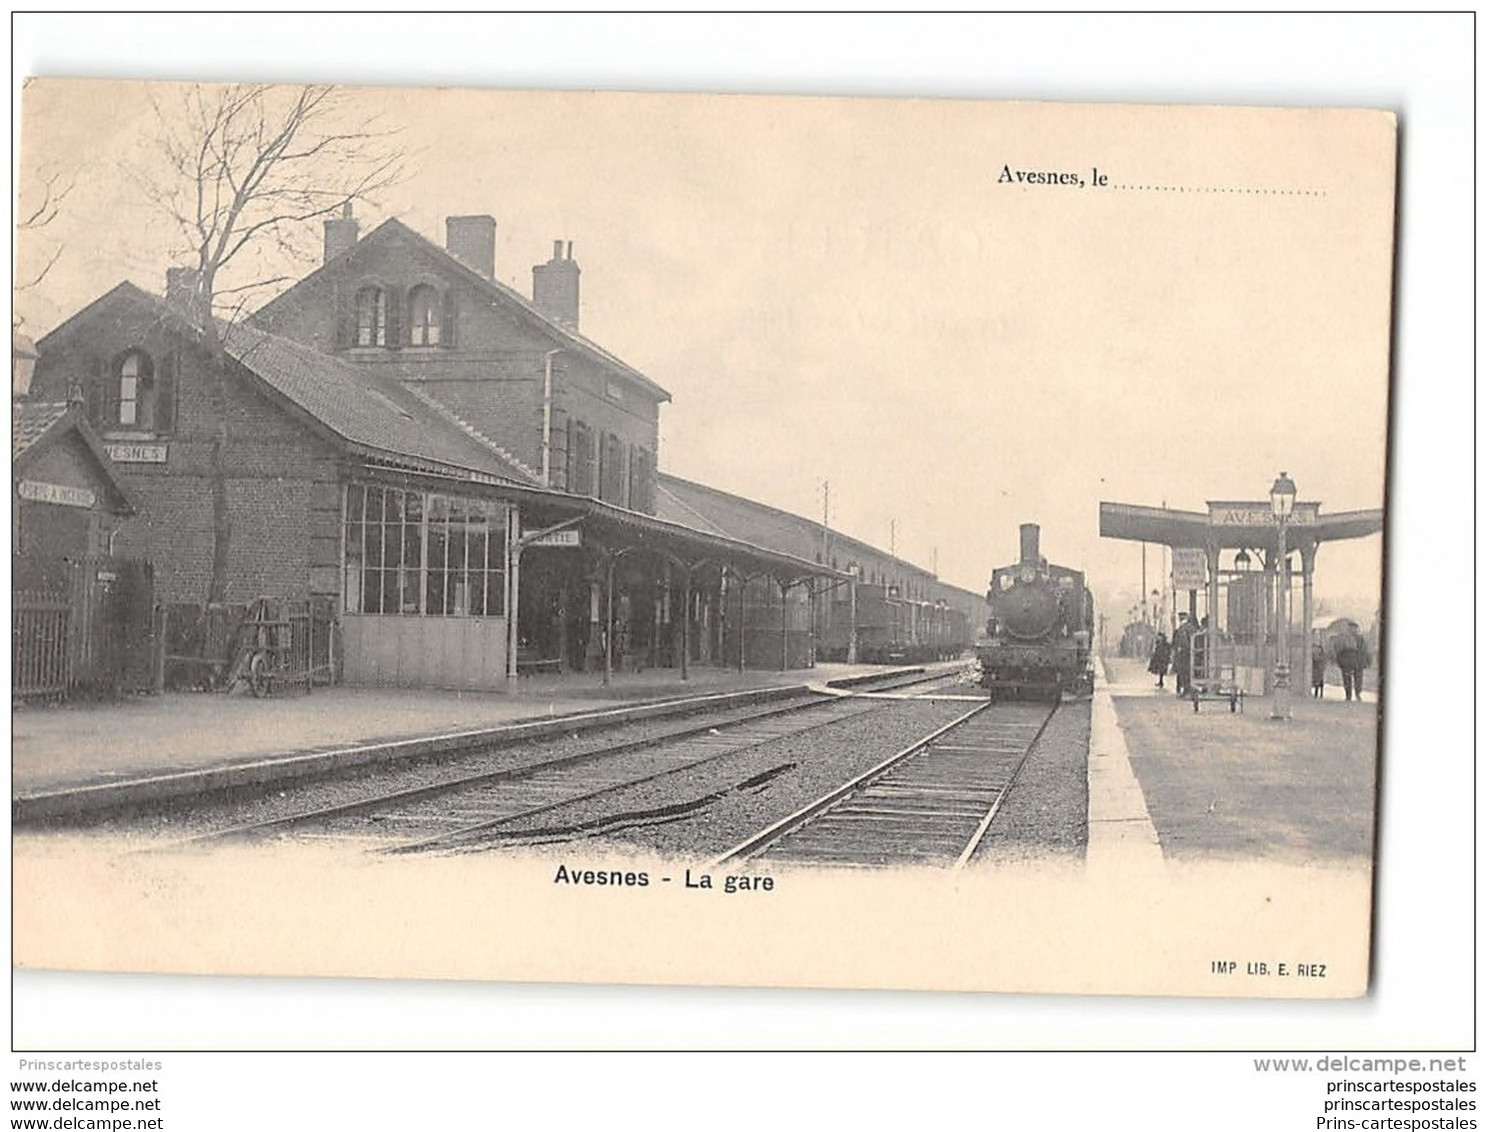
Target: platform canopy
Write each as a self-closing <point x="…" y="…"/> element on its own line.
<point x="1233" y="524"/>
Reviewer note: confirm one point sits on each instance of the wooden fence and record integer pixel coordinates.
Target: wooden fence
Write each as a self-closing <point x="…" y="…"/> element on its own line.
<point x="40" y="652"/>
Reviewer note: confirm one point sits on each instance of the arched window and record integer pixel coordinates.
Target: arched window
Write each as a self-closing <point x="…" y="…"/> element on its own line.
<point x="134" y="390"/>
<point x="371" y="317"/>
<point x="424" y="316"/>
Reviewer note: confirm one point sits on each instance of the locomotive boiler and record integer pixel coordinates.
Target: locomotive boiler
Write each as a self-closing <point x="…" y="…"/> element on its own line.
<point x="1040" y="627"/>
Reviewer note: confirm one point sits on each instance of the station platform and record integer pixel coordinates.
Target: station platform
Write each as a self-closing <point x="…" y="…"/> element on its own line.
<point x="1168" y="783"/>
<point x="75" y="757"/>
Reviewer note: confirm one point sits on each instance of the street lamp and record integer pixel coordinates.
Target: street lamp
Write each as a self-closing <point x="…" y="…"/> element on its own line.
<point x="1242" y="564"/>
<point x="1282" y="503"/>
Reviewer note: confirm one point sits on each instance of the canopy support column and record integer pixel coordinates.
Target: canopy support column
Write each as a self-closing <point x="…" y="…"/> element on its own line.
<point x="1308" y="564"/>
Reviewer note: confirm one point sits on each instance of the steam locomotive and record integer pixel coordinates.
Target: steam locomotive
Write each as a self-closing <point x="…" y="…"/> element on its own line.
<point x="1040" y="628"/>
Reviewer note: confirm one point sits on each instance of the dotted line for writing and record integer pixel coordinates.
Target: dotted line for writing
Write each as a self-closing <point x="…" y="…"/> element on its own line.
<point x="1237" y="191"/>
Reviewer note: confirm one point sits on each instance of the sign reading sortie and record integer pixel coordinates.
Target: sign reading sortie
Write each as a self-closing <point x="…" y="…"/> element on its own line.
<point x="60" y="494"/>
<point x="570" y="538"/>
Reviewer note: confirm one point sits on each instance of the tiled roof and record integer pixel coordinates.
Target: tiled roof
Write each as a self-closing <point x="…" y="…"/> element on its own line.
<point x="34" y="421"/>
<point x="30" y="421"/>
<point x="732" y="515"/>
<point x="671" y="506"/>
<point x="365" y="408"/>
<point x="718" y="512"/>
<point x="372" y="412"/>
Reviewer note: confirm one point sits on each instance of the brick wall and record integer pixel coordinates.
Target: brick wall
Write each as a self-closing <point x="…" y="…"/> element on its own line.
<point x="279" y="472"/>
<point x="491" y="362"/>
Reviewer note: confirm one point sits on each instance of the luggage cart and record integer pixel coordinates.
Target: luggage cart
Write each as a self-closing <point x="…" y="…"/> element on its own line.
<point x="1213" y="670"/>
<point x="264" y="655"/>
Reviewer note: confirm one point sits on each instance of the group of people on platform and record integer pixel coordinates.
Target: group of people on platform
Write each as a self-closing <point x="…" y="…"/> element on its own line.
<point x="1350" y="651"/>
<point x="1184" y="654"/>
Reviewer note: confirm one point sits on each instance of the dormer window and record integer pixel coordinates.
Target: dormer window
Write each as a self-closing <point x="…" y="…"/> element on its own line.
<point x="136" y="388"/>
<point x="131" y="394"/>
<point x="424" y="316"/>
<point x="371" y="317"/>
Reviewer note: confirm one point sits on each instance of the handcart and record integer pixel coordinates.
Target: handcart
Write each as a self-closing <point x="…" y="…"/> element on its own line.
<point x="1214" y="670"/>
<point x="263" y="653"/>
<point x="265" y="644"/>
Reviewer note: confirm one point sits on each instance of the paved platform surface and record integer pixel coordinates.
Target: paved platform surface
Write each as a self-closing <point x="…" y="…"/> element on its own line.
<point x="1244" y="786"/>
<point x="82" y="746"/>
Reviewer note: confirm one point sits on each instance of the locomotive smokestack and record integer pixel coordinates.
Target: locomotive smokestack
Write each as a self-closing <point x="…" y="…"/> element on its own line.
<point x="1029" y="542"/>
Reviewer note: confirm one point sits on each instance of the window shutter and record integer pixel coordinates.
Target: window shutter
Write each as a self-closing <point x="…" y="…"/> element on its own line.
<point x="447" y="319"/>
<point x="109" y="379"/>
<point x="165" y="393"/>
<point x="95" y="379"/>
<point x="646" y="492"/>
<point x="344" y="325"/>
<point x="583" y="460"/>
<point x="395" y="312"/>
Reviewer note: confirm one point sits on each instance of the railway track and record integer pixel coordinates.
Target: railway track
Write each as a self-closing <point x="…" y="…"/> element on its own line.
<point x="526" y="803"/>
<point x="932" y="802"/>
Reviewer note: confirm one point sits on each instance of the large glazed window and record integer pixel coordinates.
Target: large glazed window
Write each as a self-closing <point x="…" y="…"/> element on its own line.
<point x="135" y="390"/>
<point x="424" y="316"/>
<point x="417" y="553"/>
<point x="371" y="317"/>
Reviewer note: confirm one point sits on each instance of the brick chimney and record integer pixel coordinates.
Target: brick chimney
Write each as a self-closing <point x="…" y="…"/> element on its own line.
<point x="472" y="241"/>
<point x="555" y="286"/>
<point x="341" y="233"/>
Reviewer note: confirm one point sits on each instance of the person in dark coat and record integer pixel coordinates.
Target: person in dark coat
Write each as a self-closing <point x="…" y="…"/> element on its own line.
<point x="1161" y="656"/>
<point x="1352" y="658"/>
<point x="1318" y="669"/>
<point x="1182" y="645"/>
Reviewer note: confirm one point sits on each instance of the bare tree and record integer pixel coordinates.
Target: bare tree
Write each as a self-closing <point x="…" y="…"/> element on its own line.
<point x="246" y="170"/>
<point x="53" y="192"/>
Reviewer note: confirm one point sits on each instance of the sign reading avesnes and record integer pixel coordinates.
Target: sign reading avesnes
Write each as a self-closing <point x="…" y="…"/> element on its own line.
<point x="1189" y="568"/>
<point x="58" y="493"/>
<point x="137" y="453"/>
<point x="1257" y="515"/>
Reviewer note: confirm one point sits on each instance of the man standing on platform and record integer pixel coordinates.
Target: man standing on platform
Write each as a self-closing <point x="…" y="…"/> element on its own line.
<point x="1182" y="653"/>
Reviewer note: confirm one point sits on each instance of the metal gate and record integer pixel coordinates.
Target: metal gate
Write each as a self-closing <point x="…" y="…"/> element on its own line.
<point x="40" y="660"/>
<point x="92" y="627"/>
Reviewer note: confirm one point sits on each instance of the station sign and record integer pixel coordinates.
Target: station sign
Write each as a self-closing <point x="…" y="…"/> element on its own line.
<point x="137" y="453"/>
<point x="1189" y="568"/>
<point x="60" y="494"/>
<point x="571" y="537"/>
<point x="1259" y="515"/>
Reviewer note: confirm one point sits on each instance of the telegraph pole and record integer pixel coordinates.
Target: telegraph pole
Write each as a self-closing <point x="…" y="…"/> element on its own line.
<point x="825" y="521"/>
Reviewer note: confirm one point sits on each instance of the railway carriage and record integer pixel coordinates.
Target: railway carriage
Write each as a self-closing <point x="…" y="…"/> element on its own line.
<point x="1040" y="627"/>
<point x="892" y="629"/>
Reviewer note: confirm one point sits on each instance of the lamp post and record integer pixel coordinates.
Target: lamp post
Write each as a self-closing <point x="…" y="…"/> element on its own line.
<point x="1282" y="503"/>
<point x="1242" y="564"/>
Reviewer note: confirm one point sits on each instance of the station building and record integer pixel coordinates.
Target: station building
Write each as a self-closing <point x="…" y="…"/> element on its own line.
<point x="426" y="451"/>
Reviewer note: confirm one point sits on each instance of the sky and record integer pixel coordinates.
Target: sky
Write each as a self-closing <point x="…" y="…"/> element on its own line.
<point x="847" y="291"/>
